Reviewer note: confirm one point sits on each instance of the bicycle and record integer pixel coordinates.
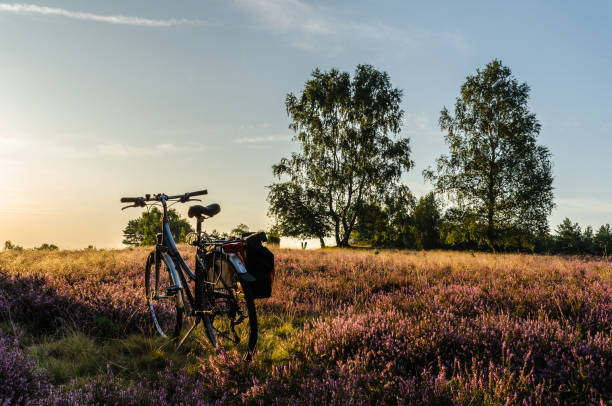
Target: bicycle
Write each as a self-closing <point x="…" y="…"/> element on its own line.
<point x="223" y="299"/>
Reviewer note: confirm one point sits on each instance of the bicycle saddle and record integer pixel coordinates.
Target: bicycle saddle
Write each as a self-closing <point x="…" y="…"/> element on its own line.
<point x="208" y="211"/>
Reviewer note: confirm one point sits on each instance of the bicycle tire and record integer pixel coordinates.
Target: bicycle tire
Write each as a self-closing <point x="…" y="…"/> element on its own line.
<point x="235" y="296"/>
<point x="166" y="309"/>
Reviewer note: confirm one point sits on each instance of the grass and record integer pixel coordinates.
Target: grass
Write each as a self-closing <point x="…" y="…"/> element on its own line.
<point x="74" y="355"/>
<point x="378" y="326"/>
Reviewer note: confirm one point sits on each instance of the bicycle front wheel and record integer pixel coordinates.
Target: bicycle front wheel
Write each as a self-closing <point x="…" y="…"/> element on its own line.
<point x="234" y="318"/>
<point x="164" y="300"/>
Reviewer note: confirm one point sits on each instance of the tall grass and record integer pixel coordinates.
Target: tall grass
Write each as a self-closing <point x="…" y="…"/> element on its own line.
<point x="342" y="327"/>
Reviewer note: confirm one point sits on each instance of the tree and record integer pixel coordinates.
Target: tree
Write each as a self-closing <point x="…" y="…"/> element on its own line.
<point x="495" y="170"/>
<point x="273" y="236"/>
<point x="347" y="158"/>
<point x="217" y="235"/>
<point x="588" y="241"/>
<point x="426" y="219"/>
<point x="569" y="237"/>
<point x="132" y="233"/>
<point x="460" y="229"/>
<point x="143" y="231"/>
<point x="603" y="240"/>
<point x="299" y="212"/>
<point x="47" y="247"/>
<point x="388" y="223"/>
<point x="400" y="205"/>
<point x="239" y="230"/>
<point x="8" y="246"/>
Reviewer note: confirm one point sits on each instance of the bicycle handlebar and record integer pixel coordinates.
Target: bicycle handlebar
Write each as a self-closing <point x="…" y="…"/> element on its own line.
<point x="198" y="193"/>
<point x="148" y="198"/>
<point x="130" y="199"/>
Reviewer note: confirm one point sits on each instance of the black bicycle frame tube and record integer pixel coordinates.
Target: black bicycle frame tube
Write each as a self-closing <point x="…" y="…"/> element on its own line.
<point x="168" y="242"/>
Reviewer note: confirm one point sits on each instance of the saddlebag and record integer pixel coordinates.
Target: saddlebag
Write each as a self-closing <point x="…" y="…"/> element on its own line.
<point x="260" y="264"/>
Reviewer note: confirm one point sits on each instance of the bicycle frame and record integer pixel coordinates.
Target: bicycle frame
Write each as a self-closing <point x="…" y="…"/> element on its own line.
<point x="176" y="264"/>
<point x="167" y="251"/>
<point x="203" y="307"/>
<point x="172" y="257"/>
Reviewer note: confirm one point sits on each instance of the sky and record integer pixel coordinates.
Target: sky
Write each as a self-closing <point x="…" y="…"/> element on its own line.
<point x="104" y="99"/>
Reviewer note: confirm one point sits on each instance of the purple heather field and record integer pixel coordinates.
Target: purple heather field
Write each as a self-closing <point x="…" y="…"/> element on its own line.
<point x="343" y="327"/>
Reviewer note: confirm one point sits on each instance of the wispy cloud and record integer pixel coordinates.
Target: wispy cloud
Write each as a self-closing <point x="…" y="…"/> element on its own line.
<point x="124" y="150"/>
<point x="260" y="140"/>
<point x="310" y="26"/>
<point x="255" y="126"/>
<point x="419" y="121"/>
<point x="22" y="8"/>
<point x="583" y="205"/>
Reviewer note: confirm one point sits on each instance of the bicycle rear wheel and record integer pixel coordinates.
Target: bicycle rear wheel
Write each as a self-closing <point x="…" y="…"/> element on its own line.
<point x="164" y="300"/>
<point x="234" y="318"/>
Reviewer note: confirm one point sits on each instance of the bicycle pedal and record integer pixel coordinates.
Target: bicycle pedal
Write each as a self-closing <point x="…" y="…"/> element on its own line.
<point x="172" y="289"/>
<point x="204" y="312"/>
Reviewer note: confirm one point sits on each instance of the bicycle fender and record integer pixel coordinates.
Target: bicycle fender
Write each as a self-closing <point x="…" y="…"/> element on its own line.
<point x="172" y="269"/>
<point x="242" y="272"/>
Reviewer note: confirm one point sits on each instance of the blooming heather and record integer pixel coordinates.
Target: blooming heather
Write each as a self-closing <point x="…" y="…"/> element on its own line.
<point x="395" y="327"/>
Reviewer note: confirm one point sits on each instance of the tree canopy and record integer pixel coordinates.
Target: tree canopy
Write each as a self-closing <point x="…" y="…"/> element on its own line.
<point x="347" y="158"/>
<point x="143" y="230"/>
<point x="239" y="230"/>
<point x="498" y="177"/>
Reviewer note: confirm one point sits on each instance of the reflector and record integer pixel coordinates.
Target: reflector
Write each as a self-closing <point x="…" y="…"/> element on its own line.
<point x="233" y="247"/>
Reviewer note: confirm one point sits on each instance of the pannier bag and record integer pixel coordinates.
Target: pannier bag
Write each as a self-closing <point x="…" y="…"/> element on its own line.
<point x="260" y="264"/>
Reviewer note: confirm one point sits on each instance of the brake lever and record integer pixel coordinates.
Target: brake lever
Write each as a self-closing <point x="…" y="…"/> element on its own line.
<point x="127" y="207"/>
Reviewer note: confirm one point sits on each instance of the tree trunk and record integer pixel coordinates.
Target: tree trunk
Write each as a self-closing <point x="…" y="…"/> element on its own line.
<point x="491" y="194"/>
<point x="337" y="235"/>
<point x="322" y="241"/>
<point x="345" y="241"/>
<point x="490" y="229"/>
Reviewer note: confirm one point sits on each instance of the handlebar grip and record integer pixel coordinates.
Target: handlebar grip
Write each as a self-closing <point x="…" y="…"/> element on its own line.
<point x="130" y="199"/>
<point x="198" y="193"/>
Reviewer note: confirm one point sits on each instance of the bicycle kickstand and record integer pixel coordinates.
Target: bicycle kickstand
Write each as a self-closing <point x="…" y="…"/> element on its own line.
<point x="198" y="319"/>
<point x="195" y="323"/>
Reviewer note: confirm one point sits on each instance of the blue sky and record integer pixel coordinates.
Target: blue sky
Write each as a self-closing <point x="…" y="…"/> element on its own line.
<point x="104" y="99"/>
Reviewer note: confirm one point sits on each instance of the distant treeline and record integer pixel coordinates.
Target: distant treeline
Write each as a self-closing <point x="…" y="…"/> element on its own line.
<point x="142" y="231"/>
<point x="8" y="246"/>
<point x="423" y="224"/>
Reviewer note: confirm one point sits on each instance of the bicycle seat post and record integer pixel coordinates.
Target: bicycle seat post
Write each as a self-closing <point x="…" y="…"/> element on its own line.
<point x="199" y="226"/>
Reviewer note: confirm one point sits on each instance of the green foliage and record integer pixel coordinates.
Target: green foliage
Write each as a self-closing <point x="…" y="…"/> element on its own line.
<point x="273" y="236"/>
<point x="132" y="234"/>
<point x="387" y="224"/>
<point x="46" y="246"/>
<point x="239" y="230"/>
<point x="373" y="226"/>
<point x="426" y="218"/>
<point x="82" y="357"/>
<point x="347" y="159"/>
<point x="461" y="229"/>
<point x="495" y="172"/>
<point x="588" y="241"/>
<point x="143" y="231"/>
<point x="8" y="245"/>
<point x="569" y="237"/>
<point x="603" y="240"/>
<point x="217" y="235"/>
<point x="401" y="222"/>
<point x="299" y="212"/>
